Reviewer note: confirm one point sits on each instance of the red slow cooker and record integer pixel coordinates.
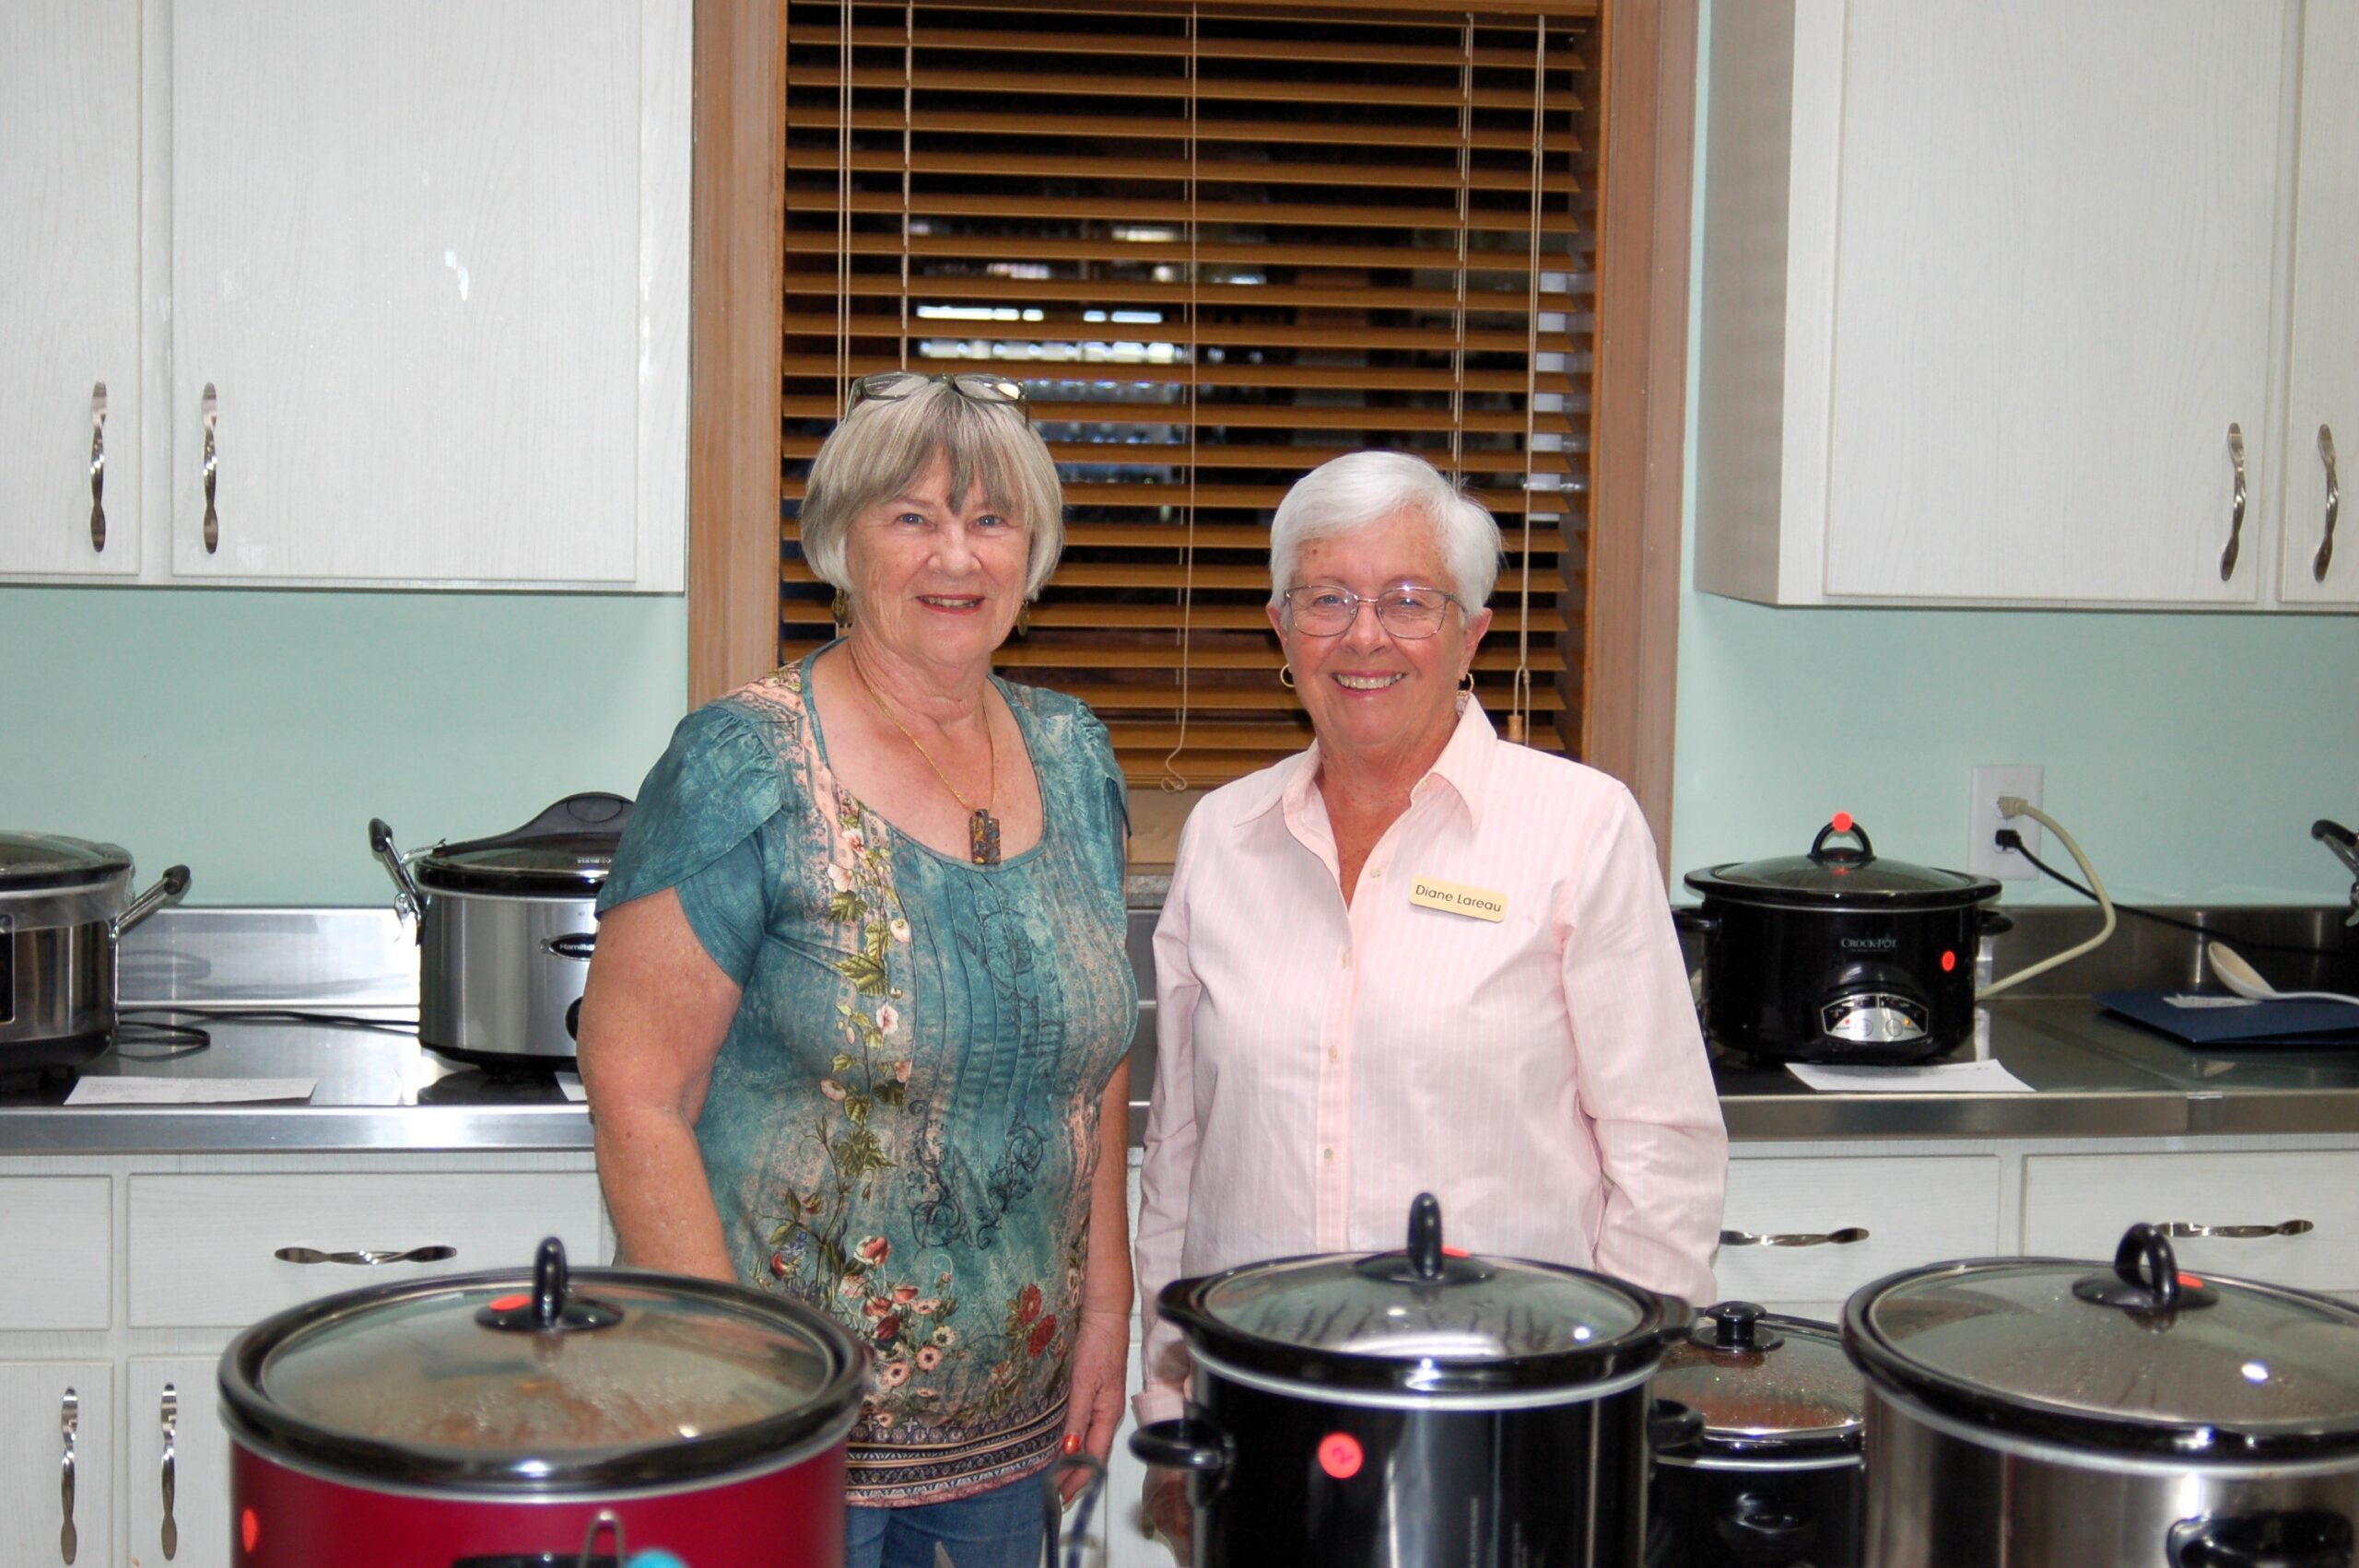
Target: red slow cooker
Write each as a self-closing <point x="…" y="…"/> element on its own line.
<point x="507" y="1419"/>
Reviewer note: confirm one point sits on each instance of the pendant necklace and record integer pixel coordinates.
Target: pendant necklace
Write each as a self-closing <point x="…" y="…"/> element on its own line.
<point x="982" y="828"/>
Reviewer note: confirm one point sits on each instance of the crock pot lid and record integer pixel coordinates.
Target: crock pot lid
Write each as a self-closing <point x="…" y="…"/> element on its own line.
<point x="1791" y="1387"/>
<point x="49" y="860"/>
<point x="425" y="1373"/>
<point x="2247" y="1368"/>
<point x="1842" y="877"/>
<point x="570" y="846"/>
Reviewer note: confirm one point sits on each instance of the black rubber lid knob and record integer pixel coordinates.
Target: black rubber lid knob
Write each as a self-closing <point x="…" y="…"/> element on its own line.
<point x="1425" y="1236"/>
<point x="1737" y="1320"/>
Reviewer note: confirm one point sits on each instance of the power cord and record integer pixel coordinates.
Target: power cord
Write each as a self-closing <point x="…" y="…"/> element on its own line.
<point x="2011" y="806"/>
<point x="165" y="1018"/>
<point x="2008" y="838"/>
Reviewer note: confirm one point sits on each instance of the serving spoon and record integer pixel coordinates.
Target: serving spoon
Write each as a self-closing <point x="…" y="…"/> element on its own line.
<point x="2245" y="980"/>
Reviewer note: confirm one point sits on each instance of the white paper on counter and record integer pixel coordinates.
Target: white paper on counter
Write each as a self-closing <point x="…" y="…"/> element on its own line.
<point x="186" y="1090"/>
<point x="569" y="1084"/>
<point x="1947" y="1078"/>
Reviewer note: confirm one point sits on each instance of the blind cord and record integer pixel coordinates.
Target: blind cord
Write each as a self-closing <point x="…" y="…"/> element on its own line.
<point x="1173" y="781"/>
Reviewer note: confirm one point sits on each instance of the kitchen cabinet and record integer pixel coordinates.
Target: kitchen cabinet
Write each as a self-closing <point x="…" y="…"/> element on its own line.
<point x="2238" y="1210"/>
<point x="69" y="286"/>
<point x="2322" y="408"/>
<point x="1987" y="291"/>
<point x="1830" y="1226"/>
<point x="176" y="1459"/>
<point x="56" y="1462"/>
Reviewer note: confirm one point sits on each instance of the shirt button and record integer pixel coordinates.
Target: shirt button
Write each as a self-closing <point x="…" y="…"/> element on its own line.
<point x="1347" y="958"/>
<point x="1328" y="1155"/>
<point x="1376" y="871"/>
<point x="1333" y="1054"/>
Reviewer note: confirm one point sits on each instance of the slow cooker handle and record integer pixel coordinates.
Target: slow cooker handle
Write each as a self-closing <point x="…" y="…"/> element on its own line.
<point x="1843" y="824"/>
<point x="168" y="889"/>
<point x="1196" y="1446"/>
<point x="408" y="902"/>
<point x="2313" y="1539"/>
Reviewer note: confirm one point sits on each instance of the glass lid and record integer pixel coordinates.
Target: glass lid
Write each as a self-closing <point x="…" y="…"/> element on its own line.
<point x="567" y="850"/>
<point x="1762" y="1381"/>
<point x="1843" y="874"/>
<point x="2143" y="1354"/>
<point x="1424" y="1317"/>
<point x="494" y="1378"/>
<point x="49" y="860"/>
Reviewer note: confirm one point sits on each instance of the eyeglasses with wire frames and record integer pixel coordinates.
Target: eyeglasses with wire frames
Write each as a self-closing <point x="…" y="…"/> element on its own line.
<point x="1409" y="611"/>
<point x="975" y="386"/>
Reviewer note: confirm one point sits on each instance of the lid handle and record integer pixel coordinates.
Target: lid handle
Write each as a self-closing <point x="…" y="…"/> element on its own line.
<point x="1843" y="825"/>
<point x="1424" y="1237"/>
<point x="548" y="1285"/>
<point x="2145" y="1276"/>
<point x="551" y="1307"/>
<point x="593" y="811"/>
<point x="1736" y="1325"/>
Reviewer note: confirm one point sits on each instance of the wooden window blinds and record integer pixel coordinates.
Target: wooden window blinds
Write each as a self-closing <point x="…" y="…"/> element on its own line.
<point x="1218" y="247"/>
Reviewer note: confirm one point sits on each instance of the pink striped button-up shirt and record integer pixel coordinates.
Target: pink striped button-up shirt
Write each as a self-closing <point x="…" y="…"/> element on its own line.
<point x="1320" y="1064"/>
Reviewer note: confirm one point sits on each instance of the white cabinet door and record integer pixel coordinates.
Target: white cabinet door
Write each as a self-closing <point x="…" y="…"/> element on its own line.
<point x="407" y="265"/>
<point x="1800" y="1235"/>
<point x="56" y="1470"/>
<point x="178" y="1456"/>
<point x="2323" y="410"/>
<point x="2051" y="299"/>
<point x="69" y="284"/>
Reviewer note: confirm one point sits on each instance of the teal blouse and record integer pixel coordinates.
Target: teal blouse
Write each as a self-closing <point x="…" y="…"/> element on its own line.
<point x="902" y="1123"/>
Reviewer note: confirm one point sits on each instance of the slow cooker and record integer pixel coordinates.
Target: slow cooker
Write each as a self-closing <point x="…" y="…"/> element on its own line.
<point x="1769" y="1477"/>
<point x="2043" y="1410"/>
<point x="506" y="926"/>
<point x="65" y="905"/>
<point x="538" y="1417"/>
<point x="1837" y="955"/>
<point x="1414" y="1407"/>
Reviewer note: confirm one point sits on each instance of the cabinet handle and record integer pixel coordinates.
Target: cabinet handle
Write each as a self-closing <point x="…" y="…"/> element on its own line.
<point x="171" y="1416"/>
<point x="1843" y="1237"/>
<point x="2325" y="557"/>
<point x="213" y="517"/>
<point x="99" y="466"/>
<point x="367" y="1257"/>
<point x="69" y="1422"/>
<point x="2237" y="1232"/>
<point x="2236" y="506"/>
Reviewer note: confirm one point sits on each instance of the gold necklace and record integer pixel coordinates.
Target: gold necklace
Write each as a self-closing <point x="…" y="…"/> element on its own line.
<point x="982" y="828"/>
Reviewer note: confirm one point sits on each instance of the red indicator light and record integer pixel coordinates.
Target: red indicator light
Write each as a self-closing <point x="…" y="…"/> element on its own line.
<point x="509" y="1304"/>
<point x="1949" y="960"/>
<point x="1454" y="1252"/>
<point x="1842" y="821"/>
<point x="2189" y="1281"/>
<point x="1339" y="1455"/>
<point x="249" y="1528"/>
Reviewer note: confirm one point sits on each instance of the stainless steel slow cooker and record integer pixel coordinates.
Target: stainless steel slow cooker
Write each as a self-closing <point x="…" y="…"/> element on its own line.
<point x="1415" y="1409"/>
<point x="1770" y="1475"/>
<point x="2043" y="1410"/>
<point x="534" y="1416"/>
<point x="1837" y="955"/>
<point x="65" y="905"/>
<point x="505" y="928"/>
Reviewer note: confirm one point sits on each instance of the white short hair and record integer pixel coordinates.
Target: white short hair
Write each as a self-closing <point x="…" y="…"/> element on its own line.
<point x="885" y="444"/>
<point x="1358" y="490"/>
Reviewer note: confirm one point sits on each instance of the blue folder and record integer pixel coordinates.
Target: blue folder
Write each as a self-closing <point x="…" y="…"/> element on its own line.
<point x="2252" y="1023"/>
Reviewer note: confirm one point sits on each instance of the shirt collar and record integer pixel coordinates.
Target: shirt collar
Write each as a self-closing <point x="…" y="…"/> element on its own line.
<point x="1463" y="768"/>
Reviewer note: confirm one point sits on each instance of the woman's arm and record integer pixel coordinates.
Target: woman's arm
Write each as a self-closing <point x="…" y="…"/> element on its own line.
<point x="1101" y="1344"/>
<point x="654" y="1013"/>
<point x="1167" y="1170"/>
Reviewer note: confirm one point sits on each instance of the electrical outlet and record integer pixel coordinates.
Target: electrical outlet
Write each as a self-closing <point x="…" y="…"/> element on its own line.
<point x="1983" y="856"/>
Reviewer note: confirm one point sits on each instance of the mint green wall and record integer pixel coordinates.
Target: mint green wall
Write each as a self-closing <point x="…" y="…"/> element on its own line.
<point x="253" y="733"/>
<point x="2188" y="754"/>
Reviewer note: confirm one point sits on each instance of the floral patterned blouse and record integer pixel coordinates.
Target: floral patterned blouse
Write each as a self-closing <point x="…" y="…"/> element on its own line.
<point x="902" y="1122"/>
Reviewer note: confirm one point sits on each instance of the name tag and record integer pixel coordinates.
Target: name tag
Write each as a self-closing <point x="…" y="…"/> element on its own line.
<point x="1455" y="898"/>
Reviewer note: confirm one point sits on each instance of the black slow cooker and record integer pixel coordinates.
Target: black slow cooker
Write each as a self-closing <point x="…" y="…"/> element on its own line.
<point x="1414" y="1407"/>
<point x="1839" y="954"/>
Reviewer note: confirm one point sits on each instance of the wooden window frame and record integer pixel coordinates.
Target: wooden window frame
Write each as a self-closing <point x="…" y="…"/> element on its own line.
<point x="1648" y="167"/>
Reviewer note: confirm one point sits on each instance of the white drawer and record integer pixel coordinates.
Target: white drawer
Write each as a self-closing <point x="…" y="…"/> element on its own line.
<point x="2078" y="1205"/>
<point x="1915" y="1210"/>
<point x="56" y="1252"/>
<point x="203" y="1247"/>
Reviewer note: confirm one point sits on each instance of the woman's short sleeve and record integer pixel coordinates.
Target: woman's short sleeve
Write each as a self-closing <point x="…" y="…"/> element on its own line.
<point x="692" y="828"/>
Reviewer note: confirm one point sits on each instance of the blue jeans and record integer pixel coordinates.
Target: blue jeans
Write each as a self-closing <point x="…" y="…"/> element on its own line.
<point x="1000" y="1528"/>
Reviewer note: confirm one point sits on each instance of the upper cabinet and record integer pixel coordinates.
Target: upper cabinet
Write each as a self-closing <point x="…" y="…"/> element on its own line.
<point x="414" y="288"/>
<point x="2321" y="561"/>
<point x="1996" y="300"/>
<point x="69" y="287"/>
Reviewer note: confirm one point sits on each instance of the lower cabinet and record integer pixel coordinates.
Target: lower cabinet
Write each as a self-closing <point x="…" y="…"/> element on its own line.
<point x="1798" y="1236"/>
<point x="56" y="1463"/>
<point x="2289" y="1218"/>
<point x="176" y="1460"/>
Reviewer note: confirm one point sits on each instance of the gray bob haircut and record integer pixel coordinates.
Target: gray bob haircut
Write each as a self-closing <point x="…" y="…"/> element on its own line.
<point x="882" y="447"/>
<point x="1358" y="490"/>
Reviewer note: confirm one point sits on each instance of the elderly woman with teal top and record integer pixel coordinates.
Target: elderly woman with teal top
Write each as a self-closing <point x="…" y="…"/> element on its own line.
<point x="855" y="1031"/>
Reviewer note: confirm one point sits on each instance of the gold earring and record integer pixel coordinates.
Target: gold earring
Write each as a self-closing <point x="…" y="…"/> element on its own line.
<point x="1285" y="675"/>
<point x="1024" y="619"/>
<point x="840" y="608"/>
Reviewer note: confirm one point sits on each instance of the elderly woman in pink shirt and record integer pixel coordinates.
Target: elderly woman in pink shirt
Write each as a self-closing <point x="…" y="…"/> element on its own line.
<point x="1415" y="958"/>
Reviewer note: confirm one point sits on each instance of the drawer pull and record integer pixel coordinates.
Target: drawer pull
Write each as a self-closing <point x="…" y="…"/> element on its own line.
<point x="210" y="408"/>
<point x="1843" y="1237"/>
<point x="2325" y="557"/>
<point x="2235" y="505"/>
<point x="69" y="1422"/>
<point x="2182" y="1228"/>
<point x="99" y="468"/>
<point x="171" y="1418"/>
<point x="367" y="1257"/>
